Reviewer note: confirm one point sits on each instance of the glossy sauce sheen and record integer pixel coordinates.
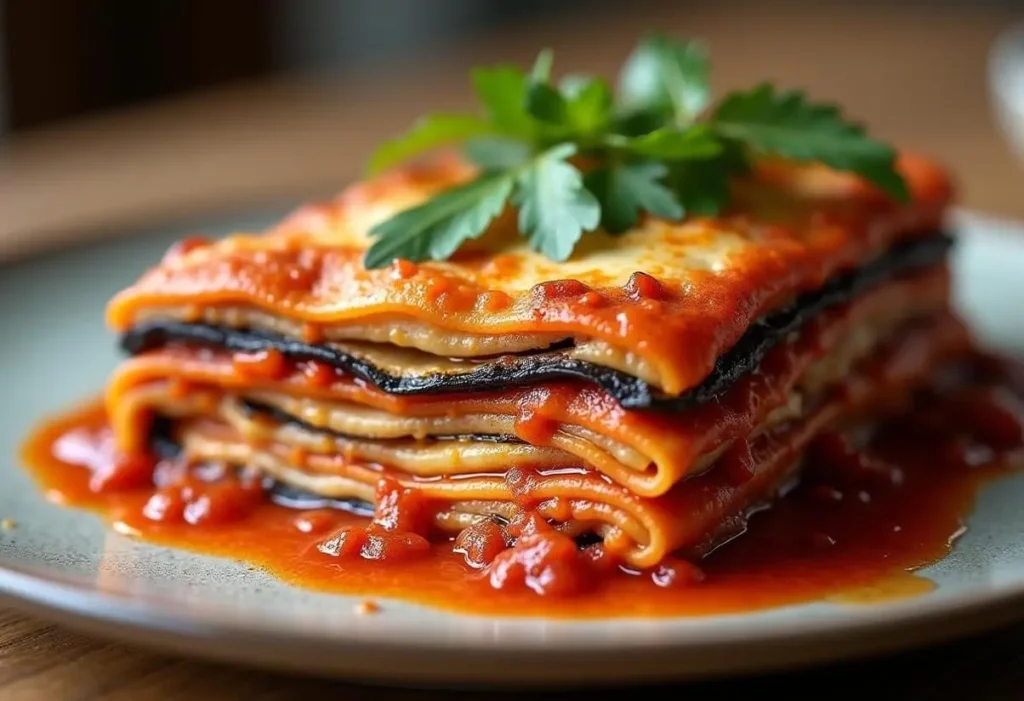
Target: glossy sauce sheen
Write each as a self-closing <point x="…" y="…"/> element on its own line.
<point x="707" y="279"/>
<point x="872" y="506"/>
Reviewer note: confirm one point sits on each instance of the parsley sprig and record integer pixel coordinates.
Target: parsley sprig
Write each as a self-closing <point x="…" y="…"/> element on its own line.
<point x="653" y="145"/>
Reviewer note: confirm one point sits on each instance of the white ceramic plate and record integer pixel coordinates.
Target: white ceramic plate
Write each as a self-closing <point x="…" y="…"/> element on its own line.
<point x="63" y="565"/>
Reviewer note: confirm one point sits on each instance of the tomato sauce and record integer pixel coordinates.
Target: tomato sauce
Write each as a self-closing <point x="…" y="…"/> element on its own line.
<point x="872" y="506"/>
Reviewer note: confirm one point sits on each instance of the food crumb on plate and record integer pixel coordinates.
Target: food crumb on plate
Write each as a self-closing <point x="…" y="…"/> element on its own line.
<point x="367" y="608"/>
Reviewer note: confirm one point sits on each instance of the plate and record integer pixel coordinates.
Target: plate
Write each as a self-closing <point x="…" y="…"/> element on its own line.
<point x="64" y="565"/>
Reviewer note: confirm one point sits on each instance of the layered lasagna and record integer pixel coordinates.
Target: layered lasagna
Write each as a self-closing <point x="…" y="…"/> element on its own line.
<point x="644" y="396"/>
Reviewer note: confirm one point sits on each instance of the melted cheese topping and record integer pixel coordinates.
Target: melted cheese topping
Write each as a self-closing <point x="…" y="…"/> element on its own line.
<point x="674" y="294"/>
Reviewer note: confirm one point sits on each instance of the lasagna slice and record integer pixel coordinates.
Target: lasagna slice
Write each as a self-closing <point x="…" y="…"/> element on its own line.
<point x="648" y="393"/>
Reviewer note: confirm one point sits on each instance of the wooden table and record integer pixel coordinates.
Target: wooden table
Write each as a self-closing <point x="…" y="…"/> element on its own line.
<point x="917" y="76"/>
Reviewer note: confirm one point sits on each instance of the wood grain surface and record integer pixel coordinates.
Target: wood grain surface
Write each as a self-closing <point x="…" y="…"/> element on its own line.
<point x="917" y="74"/>
<point x="41" y="661"/>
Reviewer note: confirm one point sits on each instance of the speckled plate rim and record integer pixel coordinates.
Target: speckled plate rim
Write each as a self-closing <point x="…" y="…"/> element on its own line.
<point x="522" y="652"/>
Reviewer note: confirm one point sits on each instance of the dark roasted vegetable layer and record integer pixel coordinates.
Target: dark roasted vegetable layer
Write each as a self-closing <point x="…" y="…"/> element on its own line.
<point x="554" y="364"/>
<point x="164" y="446"/>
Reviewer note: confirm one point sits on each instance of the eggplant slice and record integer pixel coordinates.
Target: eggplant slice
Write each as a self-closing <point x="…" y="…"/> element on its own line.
<point x="433" y="375"/>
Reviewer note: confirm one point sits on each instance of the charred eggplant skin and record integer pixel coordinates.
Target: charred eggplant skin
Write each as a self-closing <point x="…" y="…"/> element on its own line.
<point x="554" y="364"/>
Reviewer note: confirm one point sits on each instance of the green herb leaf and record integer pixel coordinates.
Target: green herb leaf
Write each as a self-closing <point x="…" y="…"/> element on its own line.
<point x="497" y="153"/>
<point x="638" y="122"/>
<point x="625" y="190"/>
<point x="787" y="124"/>
<point x="546" y="104"/>
<point x="589" y="105"/>
<point x="428" y="133"/>
<point x="554" y="206"/>
<point x="572" y="84"/>
<point x="670" y="143"/>
<point x="436" y="228"/>
<point x="541" y="71"/>
<point x="668" y="75"/>
<point x="701" y="186"/>
<point x="656" y="149"/>
<point x="704" y="186"/>
<point x="502" y="89"/>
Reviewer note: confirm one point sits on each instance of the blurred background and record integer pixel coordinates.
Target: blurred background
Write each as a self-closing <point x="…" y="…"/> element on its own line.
<point x="114" y="112"/>
<point x="69" y="57"/>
